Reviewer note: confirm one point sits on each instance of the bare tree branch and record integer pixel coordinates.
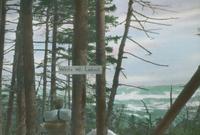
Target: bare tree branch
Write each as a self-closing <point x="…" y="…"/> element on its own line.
<point x="8" y="39"/>
<point x="12" y="5"/>
<point x="153" y="18"/>
<point x="124" y="21"/>
<point x="147" y="32"/>
<point x="7" y="70"/>
<point x="138" y="44"/>
<point x="146" y="60"/>
<point x="123" y="74"/>
<point x="11" y="22"/>
<point x="148" y="113"/>
<point x="142" y="26"/>
<point x="153" y="7"/>
<point x="10" y="30"/>
<point x="6" y="51"/>
<point x="11" y="8"/>
<point x="151" y="22"/>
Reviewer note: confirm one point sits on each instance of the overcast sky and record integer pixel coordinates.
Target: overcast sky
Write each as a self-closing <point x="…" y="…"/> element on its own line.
<point x="176" y="45"/>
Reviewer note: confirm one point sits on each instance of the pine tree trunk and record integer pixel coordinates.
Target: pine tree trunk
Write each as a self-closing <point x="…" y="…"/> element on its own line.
<point x="45" y="62"/>
<point x="100" y="60"/>
<point x="11" y="96"/>
<point x="179" y="103"/>
<point x="119" y="63"/>
<point x="21" y="107"/>
<point x="2" y="35"/>
<point x="79" y="57"/>
<point x="53" y="64"/>
<point x="28" y="67"/>
<point x="68" y="82"/>
<point x="10" y="106"/>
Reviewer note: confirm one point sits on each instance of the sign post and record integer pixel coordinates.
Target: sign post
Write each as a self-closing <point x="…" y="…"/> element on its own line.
<point x="80" y="70"/>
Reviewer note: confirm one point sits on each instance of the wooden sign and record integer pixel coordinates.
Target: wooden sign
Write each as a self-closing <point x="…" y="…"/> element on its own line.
<point x="78" y="70"/>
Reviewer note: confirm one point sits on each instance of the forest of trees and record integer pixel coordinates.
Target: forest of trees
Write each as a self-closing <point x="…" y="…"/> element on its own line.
<point x="74" y="33"/>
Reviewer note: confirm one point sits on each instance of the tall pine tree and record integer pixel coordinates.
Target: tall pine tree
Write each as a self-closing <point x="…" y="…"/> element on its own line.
<point x="79" y="54"/>
<point x="28" y="59"/>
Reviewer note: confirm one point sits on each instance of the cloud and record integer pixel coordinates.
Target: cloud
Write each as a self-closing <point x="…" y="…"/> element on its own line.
<point x="178" y="5"/>
<point x="139" y="80"/>
<point x="194" y="57"/>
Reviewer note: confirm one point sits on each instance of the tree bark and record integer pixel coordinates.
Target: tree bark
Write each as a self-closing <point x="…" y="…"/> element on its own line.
<point x="11" y="95"/>
<point x="68" y="81"/>
<point x="53" y="64"/>
<point x="100" y="60"/>
<point x="28" y="67"/>
<point x="45" y="62"/>
<point x="21" y="106"/>
<point x="2" y="35"/>
<point x="182" y="99"/>
<point x="10" y="109"/>
<point x="119" y="63"/>
<point x="79" y="57"/>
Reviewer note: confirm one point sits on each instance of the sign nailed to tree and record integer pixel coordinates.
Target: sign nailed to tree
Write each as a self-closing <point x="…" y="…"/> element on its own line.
<point x="77" y="70"/>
